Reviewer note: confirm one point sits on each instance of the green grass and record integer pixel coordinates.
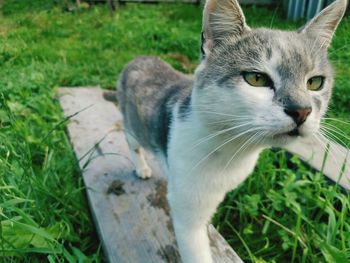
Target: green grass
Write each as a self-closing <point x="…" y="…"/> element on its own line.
<point x="283" y="213"/>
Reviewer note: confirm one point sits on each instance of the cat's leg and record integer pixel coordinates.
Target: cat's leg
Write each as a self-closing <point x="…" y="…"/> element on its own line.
<point x="137" y="154"/>
<point x="192" y="206"/>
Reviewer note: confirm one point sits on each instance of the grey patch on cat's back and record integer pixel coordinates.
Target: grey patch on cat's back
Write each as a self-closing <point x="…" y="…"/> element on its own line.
<point x="185" y="108"/>
<point x="164" y="120"/>
<point x="147" y="91"/>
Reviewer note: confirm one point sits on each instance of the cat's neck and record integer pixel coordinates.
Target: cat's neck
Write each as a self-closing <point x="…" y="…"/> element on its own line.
<point x="216" y="148"/>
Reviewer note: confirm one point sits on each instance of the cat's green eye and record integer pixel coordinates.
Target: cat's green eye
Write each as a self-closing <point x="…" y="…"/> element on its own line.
<point x="315" y="83"/>
<point x="256" y="79"/>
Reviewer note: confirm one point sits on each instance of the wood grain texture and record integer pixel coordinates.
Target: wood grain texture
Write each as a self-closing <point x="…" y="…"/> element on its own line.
<point x="131" y="215"/>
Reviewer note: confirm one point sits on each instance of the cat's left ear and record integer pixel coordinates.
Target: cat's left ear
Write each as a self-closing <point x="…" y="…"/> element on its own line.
<point x="222" y="19"/>
<point x="323" y="26"/>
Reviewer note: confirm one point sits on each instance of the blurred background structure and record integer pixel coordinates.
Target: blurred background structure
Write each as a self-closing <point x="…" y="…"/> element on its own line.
<point x="295" y="9"/>
<point x="298" y="9"/>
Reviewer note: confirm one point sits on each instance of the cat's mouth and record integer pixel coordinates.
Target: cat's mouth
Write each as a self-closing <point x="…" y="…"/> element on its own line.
<point x="288" y="134"/>
<point x="294" y="133"/>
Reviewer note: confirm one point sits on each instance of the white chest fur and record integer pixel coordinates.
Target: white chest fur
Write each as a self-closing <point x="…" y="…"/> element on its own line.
<point x="200" y="174"/>
<point x="195" y="154"/>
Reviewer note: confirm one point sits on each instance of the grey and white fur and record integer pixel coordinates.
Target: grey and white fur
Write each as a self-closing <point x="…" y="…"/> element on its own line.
<point x="254" y="88"/>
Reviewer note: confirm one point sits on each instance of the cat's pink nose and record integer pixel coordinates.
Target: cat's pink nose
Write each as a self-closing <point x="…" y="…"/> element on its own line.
<point x="298" y="115"/>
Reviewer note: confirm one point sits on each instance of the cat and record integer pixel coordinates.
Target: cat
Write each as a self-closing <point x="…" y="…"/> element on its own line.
<point x="253" y="89"/>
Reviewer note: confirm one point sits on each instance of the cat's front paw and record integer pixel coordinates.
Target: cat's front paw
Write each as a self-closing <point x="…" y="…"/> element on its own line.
<point x="144" y="172"/>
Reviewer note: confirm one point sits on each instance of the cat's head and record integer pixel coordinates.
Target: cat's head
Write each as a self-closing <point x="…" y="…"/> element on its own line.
<point x="265" y="82"/>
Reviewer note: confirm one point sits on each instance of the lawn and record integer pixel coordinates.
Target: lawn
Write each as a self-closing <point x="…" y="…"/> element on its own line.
<point x="283" y="213"/>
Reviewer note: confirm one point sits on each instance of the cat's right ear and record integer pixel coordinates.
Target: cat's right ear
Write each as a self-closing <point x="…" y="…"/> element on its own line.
<point x="323" y="26"/>
<point x="222" y="19"/>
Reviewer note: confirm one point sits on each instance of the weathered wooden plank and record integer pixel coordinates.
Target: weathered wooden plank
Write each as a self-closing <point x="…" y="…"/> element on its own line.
<point x="131" y="215"/>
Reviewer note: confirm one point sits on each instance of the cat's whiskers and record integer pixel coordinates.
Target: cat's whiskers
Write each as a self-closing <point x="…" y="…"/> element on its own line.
<point x="333" y="119"/>
<point x="229" y="120"/>
<point x="334" y="128"/>
<point x="320" y="138"/>
<point x="253" y="139"/>
<point x="211" y="136"/>
<point x="217" y="113"/>
<point x="335" y="151"/>
<point x="221" y="146"/>
<point x="332" y="151"/>
<point x="328" y="150"/>
<point x="334" y="131"/>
